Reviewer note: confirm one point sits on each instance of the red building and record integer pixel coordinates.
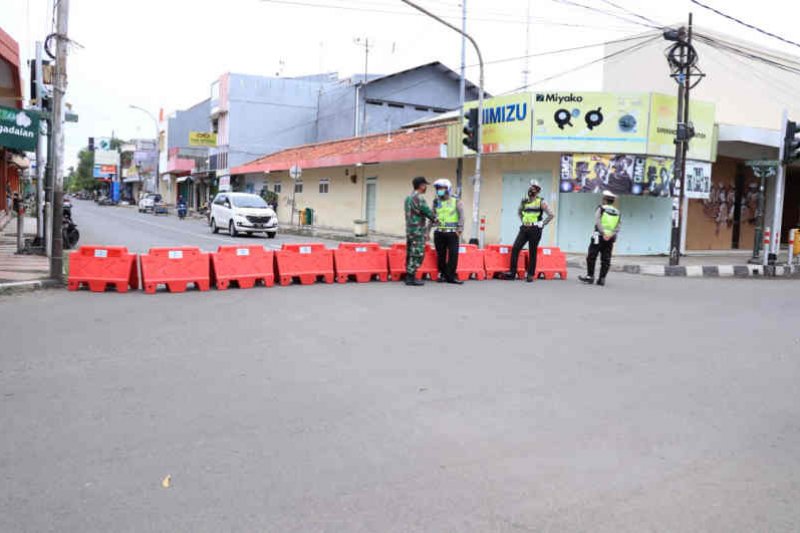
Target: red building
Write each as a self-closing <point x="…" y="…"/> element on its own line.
<point x="10" y="96"/>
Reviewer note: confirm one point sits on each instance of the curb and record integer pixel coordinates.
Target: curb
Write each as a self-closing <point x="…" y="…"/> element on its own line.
<point x="15" y="287"/>
<point x="698" y="271"/>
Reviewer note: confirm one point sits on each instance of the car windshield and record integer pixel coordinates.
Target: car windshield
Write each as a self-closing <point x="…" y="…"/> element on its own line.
<point x="249" y="201"/>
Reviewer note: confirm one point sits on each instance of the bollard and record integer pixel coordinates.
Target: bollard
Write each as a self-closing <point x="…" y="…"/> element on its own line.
<point x="792" y="236"/>
<point x="482" y="233"/>
<point x="765" y="253"/>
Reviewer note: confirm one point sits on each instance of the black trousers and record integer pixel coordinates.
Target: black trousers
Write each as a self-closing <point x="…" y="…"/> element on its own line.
<point x="446" y="244"/>
<point x="604" y="248"/>
<point x="531" y="235"/>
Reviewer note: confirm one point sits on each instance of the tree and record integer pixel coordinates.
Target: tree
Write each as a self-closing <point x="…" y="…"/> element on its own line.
<point x="83" y="179"/>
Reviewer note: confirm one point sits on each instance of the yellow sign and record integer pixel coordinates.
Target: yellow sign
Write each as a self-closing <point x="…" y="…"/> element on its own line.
<point x="201" y="138"/>
<point x="590" y="122"/>
<point x="663" y="117"/>
<point x="506" y="123"/>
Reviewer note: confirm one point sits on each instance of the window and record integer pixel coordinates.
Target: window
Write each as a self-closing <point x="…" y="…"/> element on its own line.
<point x="277" y="187"/>
<point x="249" y="200"/>
<point x="220" y="199"/>
<point x="298" y="187"/>
<point x="324" y="186"/>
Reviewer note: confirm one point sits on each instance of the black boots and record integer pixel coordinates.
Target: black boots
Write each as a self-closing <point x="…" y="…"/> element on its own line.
<point x="587" y="279"/>
<point x="601" y="281"/>
<point x="411" y="281"/>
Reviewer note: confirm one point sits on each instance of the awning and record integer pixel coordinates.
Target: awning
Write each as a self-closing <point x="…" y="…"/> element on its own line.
<point x="183" y="178"/>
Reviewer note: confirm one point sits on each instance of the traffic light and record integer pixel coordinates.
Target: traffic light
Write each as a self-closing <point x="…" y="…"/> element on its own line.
<point x="791" y="143"/>
<point x="471" y="129"/>
<point x="91" y="144"/>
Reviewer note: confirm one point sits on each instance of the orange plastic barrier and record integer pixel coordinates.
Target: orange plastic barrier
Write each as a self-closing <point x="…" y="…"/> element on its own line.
<point x="497" y="260"/>
<point x="551" y="261"/>
<point x="397" y="262"/>
<point x="362" y="261"/>
<point x="99" y="266"/>
<point x="176" y="268"/>
<point x="470" y="263"/>
<point x="306" y="262"/>
<point x="244" y="265"/>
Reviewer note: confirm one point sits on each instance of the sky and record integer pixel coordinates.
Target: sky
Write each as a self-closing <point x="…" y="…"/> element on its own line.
<point x="164" y="54"/>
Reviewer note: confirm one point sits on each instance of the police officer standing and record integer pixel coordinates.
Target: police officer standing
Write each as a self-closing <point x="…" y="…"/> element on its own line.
<point x="447" y="233"/>
<point x="607" y="223"/>
<point x="535" y="214"/>
<point x="416" y="211"/>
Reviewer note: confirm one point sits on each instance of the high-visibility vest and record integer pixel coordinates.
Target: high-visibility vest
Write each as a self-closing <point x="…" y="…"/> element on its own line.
<point x="609" y="219"/>
<point x="447" y="213"/>
<point x="532" y="211"/>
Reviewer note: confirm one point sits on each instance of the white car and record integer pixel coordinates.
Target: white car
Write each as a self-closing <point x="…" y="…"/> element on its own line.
<point x="241" y="212"/>
<point x="148" y="202"/>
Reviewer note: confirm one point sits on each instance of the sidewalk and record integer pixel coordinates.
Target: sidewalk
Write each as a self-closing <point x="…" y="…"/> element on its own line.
<point x="727" y="263"/>
<point x="20" y="271"/>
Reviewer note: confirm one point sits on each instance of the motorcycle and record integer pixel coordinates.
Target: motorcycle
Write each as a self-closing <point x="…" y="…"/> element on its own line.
<point x="182" y="211"/>
<point x="69" y="230"/>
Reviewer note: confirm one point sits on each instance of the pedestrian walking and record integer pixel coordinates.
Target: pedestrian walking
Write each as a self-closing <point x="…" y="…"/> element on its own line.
<point x="417" y="215"/>
<point x="607" y="223"/>
<point x="447" y="233"/>
<point x="535" y="214"/>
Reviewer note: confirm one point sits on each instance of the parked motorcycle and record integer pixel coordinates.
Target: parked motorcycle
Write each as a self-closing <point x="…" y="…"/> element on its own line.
<point x="69" y="230"/>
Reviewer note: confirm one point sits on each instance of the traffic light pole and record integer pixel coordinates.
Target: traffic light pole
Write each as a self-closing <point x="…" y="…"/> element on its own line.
<point x="780" y="182"/>
<point x="476" y="195"/>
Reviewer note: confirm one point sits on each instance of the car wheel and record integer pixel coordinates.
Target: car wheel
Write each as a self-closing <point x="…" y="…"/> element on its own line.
<point x="272" y="234"/>
<point x="232" y="229"/>
<point x="214" y="228"/>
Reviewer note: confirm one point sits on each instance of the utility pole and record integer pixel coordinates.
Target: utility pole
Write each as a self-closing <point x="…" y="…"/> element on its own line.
<point x="682" y="58"/>
<point x="476" y="195"/>
<point x="780" y="184"/>
<point x="59" y="90"/>
<point x="527" y="71"/>
<point x="39" y="96"/>
<point x="366" y="45"/>
<point x="462" y="92"/>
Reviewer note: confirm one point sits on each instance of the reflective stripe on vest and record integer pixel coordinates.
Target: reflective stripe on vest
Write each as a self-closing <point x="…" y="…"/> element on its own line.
<point x="609" y="219"/>
<point x="447" y="213"/>
<point x="532" y="211"/>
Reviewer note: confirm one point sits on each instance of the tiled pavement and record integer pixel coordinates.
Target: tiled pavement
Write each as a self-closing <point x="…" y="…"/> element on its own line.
<point x="16" y="267"/>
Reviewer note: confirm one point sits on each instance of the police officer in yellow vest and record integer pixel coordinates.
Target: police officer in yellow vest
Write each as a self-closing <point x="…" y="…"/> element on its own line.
<point x="535" y="214"/>
<point x="447" y="230"/>
<point x="607" y="223"/>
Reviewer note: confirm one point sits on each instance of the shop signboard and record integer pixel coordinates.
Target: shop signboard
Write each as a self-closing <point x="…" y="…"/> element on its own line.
<point x="507" y="122"/>
<point x="662" y="130"/>
<point x="104" y="171"/>
<point x="612" y="123"/>
<point x="19" y="130"/>
<point x="595" y="173"/>
<point x="202" y="138"/>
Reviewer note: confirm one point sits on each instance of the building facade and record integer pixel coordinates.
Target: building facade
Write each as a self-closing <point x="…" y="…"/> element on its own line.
<point x="12" y="160"/>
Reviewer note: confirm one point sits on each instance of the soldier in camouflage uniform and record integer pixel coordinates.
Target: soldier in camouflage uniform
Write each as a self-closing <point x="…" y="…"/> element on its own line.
<point x="417" y="211"/>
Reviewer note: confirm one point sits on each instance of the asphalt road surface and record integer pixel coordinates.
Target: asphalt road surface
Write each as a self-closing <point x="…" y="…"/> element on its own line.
<point x="653" y="404"/>
<point x="125" y="226"/>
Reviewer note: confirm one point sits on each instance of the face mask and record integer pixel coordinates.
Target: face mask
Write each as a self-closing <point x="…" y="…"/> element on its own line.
<point x="440" y="192"/>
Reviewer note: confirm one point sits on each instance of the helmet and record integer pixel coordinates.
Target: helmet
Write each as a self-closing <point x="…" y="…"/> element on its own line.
<point x="535" y="183"/>
<point x="443" y="182"/>
<point x="609" y="195"/>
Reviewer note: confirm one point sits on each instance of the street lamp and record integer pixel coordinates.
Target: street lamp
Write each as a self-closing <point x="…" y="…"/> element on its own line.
<point x="476" y="197"/>
<point x="158" y="142"/>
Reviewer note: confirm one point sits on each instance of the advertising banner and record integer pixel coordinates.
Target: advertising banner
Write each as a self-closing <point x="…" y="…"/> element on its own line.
<point x="507" y="122"/>
<point x="663" y="117"/>
<point x="19" y="129"/>
<point x="104" y="171"/>
<point x="202" y="138"/>
<point x="590" y="122"/>
<point x="595" y="173"/>
<point x="698" y="180"/>
<point x="106" y="157"/>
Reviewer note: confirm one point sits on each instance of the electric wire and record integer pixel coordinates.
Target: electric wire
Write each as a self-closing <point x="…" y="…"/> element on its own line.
<point x="745" y="24"/>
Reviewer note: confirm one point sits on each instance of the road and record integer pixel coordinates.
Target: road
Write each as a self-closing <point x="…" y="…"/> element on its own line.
<point x="125" y="226"/>
<point x="655" y="404"/>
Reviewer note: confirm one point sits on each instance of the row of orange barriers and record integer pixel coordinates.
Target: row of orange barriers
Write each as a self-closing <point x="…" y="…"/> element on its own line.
<point x="98" y="267"/>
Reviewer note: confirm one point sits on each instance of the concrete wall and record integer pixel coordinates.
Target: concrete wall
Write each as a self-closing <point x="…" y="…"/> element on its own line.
<point x="269" y="114"/>
<point x="193" y="119"/>
<point x="747" y="93"/>
<point x="336" y="113"/>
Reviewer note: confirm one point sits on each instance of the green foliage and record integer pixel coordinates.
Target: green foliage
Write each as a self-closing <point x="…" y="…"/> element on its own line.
<point x="81" y="179"/>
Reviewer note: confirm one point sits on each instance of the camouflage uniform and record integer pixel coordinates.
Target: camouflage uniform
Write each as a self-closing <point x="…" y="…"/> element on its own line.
<point x="417" y="211"/>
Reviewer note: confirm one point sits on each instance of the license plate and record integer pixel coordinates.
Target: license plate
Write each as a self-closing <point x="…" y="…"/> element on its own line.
<point x="260" y="225"/>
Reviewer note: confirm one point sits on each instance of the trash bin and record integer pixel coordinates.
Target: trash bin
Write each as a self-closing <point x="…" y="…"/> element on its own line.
<point x="360" y="228"/>
<point x="309" y="218"/>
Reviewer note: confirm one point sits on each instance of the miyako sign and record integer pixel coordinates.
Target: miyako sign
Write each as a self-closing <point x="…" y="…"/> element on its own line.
<point x="202" y="138"/>
<point x="18" y="129"/>
<point x="507" y="123"/>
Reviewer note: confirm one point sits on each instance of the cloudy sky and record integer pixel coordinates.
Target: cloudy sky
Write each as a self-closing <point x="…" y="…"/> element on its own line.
<point x="165" y="53"/>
